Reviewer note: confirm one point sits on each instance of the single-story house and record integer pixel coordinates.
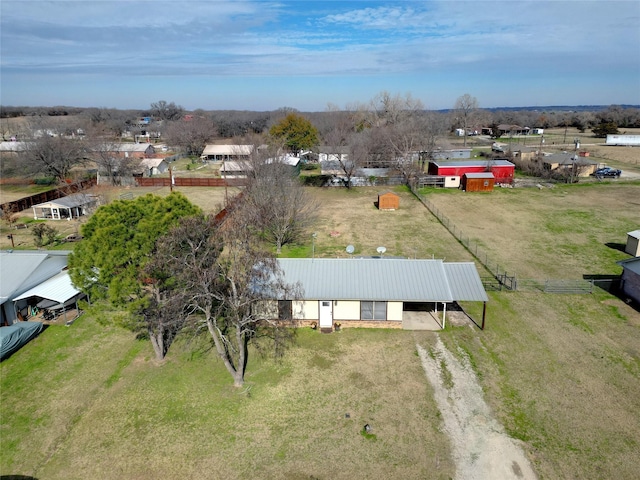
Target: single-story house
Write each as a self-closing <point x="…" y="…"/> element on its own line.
<point x="218" y="153"/>
<point x="335" y="154"/>
<point x="633" y="243"/>
<point x="630" y="279"/>
<point x="235" y="169"/>
<point x="505" y="129"/>
<point x="67" y="208"/>
<point x="503" y="170"/>
<point x="478" y="182"/>
<point x="21" y="271"/>
<point x="134" y="150"/>
<point x="153" y="166"/>
<point x="376" y="292"/>
<point x="582" y="166"/>
<point x="451" y="154"/>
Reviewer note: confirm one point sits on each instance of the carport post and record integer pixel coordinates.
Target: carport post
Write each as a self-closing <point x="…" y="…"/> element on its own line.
<point x="444" y="314"/>
<point x="484" y="313"/>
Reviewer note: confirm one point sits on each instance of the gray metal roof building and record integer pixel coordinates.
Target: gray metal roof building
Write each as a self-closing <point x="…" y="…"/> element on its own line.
<point x="384" y="279"/>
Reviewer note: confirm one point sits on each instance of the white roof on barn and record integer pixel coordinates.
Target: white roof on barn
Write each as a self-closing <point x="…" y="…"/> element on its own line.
<point x="58" y="288"/>
<point x="384" y="279"/>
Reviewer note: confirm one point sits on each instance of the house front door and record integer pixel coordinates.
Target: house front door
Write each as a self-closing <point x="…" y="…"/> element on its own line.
<point x="326" y="314"/>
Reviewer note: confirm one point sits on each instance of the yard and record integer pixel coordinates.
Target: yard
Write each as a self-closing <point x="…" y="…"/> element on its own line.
<point x="560" y="372"/>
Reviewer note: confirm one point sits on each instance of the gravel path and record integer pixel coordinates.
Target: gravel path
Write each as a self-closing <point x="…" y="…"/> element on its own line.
<point x="481" y="448"/>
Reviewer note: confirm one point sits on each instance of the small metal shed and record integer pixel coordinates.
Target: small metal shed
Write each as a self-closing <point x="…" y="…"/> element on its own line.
<point x="388" y="201"/>
<point x="478" y="182"/>
<point x="633" y="243"/>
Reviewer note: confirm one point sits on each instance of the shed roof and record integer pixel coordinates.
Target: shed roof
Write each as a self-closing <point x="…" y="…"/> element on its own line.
<point x="384" y="279"/>
<point x="152" y="162"/>
<point x="634" y="234"/>
<point x="479" y="175"/>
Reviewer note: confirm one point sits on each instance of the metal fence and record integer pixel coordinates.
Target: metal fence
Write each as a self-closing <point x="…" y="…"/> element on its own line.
<point x="500" y="279"/>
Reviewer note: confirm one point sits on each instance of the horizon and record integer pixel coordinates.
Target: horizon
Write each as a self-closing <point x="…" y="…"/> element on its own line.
<point x="261" y="56"/>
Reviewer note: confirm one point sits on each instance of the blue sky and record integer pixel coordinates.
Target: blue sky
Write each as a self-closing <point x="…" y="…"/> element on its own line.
<point x="262" y="55"/>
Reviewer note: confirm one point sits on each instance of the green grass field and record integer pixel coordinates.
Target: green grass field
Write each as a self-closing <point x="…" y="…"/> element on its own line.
<point x="561" y="372"/>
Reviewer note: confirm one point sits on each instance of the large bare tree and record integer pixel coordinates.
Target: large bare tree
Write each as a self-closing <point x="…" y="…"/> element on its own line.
<point x="280" y="206"/>
<point x="465" y="106"/>
<point x="191" y="135"/>
<point x="53" y="156"/>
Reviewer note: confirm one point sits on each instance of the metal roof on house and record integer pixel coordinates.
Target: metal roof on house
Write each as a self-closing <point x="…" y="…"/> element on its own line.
<point x="473" y="163"/>
<point x="133" y="147"/>
<point x="24" y="269"/>
<point x="383" y="279"/>
<point x="70" y="201"/>
<point x="632" y="264"/>
<point x="227" y="150"/>
<point x="58" y="288"/>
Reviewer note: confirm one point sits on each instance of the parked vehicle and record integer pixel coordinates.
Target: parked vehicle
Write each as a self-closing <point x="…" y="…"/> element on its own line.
<point x="607" y="172"/>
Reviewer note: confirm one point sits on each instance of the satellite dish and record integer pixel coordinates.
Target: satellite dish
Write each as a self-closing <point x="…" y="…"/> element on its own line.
<point x="381" y="250"/>
<point x="350" y="249"/>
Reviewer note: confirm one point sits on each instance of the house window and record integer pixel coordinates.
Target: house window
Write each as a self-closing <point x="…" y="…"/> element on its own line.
<point x="285" y="310"/>
<point x="373" y="310"/>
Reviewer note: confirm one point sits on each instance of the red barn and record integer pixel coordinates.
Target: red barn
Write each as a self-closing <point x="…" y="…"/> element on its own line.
<point x="503" y="170"/>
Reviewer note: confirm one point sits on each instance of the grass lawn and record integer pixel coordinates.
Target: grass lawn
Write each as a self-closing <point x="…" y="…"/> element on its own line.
<point x="561" y="372"/>
<point x="88" y="401"/>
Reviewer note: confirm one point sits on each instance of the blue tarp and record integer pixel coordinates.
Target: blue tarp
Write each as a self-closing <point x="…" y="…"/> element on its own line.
<point x="12" y="338"/>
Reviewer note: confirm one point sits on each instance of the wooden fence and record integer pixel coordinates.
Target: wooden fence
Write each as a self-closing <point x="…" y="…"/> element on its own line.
<point x="28" y="202"/>
<point x="190" y="182"/>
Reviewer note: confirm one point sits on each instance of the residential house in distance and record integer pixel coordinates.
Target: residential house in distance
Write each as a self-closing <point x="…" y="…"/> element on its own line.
<point x="153" y="166"/>
<point x="506" y="130"/>
<point x="65" y="208"/>
<point x="220" y="153"/>
<point x="569" y="162"/>
<point x="134" y="150"/>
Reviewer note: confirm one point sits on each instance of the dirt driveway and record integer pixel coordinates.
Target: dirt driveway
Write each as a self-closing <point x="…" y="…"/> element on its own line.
<point x="481" y="448"/>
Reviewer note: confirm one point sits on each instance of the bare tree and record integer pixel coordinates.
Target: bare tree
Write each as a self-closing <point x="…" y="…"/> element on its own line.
<point x="337" y="139"/>
<point x="110" y="164"/>
<point x="166" y="111"/>
<point x="465" y="106"/>
<point x="191" y="135"/>
<point x="54" y="156"/>
<point x="280" y="206"/>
